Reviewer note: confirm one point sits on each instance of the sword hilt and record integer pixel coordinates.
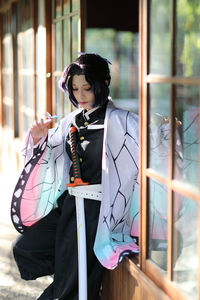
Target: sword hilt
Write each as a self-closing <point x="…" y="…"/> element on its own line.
<point x="75" y="159"/>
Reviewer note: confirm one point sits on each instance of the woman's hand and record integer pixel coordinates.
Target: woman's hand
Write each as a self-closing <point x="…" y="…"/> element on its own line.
<point x="39" y="129"/>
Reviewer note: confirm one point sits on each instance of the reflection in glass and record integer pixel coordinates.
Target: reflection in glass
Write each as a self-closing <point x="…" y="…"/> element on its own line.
<point x="157" y="224"/>
<point x="160" y="37"/>
<point x="159" y="128"/>
<point x="185" y="252"/>
<point x="187" y="38"/>
<point x="75" y="37"/>
<point x="66" y="44"/>
<point x="186" y="142"/>
<point x="58" y="27"/>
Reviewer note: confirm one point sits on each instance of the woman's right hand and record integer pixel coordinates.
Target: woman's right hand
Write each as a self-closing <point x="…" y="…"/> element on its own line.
<point x="39" y="129"/>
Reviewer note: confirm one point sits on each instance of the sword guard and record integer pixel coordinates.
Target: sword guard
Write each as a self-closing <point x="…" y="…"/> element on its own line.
<point x="77" y="182"/>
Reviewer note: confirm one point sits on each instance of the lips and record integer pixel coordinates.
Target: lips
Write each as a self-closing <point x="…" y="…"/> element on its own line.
<point x="82" y="103"/>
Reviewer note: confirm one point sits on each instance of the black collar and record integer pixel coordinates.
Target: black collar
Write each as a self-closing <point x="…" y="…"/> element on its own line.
<point x="95" y="115"/>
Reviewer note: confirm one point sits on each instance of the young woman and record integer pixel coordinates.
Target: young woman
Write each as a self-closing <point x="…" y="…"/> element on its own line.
<point x="42" y="209"/>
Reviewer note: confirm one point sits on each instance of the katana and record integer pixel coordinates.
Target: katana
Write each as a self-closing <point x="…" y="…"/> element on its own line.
<point x="81" y="190"/>
<point x="80" y="217"/>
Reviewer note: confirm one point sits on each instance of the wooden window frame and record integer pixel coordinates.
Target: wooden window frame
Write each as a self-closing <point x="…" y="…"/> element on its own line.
<point x="165" y="283"/>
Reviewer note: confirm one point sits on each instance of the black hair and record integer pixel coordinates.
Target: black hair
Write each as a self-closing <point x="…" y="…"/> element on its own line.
<point x="97" y="74"/>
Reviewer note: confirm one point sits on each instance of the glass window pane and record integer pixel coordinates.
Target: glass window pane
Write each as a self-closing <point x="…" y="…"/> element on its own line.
<point x="157" y="223"/>
<point x="75" y="45"/>
<point x="187" y="38"/>
<point x="160" y="37"/>
<point x="7" y="51"/>
<point x="58" y="35"/>
<point x="40" y="60"/>
<point x="186" y="156"/>
<point x="26" y="62"/>
<point x="7" y="69"/>
<point x="7" y="115"/>
<point x="67" y="105"/>
<point x="66" y="43"/>
<point x="159" y="128"/>
<point x="108" y="36"/>
<point x="123" y="54"/>
<point x="7" y="85"/>
<point x="27" y="49"/>
<point x="40" y="96"/>
<point x="25" y="11"/>
<point x="27" y="121"/>
<point x="6" y="23"/>
<point x="27" y="86"/>
<point x="27" y="102"/>
<point x="7" y="99"/>
<point x="185" y="249"/>
<point x="59" y="109"/>
<point x="124" y="78"/>
<point x="66" y="7"/>
<point x="58" y="8"/>
<point x="75" y="4"/>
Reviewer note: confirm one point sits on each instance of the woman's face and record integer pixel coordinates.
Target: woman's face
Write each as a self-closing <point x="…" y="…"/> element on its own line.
<point x="82" y="92"/>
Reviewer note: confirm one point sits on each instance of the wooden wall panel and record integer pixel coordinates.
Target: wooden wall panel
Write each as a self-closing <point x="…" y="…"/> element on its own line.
<point x="127" y="282"/>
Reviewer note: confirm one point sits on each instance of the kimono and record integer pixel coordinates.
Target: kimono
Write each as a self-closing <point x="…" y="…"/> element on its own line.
<point x="46" y="173"/>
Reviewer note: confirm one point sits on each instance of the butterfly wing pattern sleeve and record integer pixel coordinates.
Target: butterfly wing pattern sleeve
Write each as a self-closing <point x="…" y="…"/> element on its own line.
<point x="118" y="224"/>
<point x="41" y="180"/>
<point x="118" y="219"/>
